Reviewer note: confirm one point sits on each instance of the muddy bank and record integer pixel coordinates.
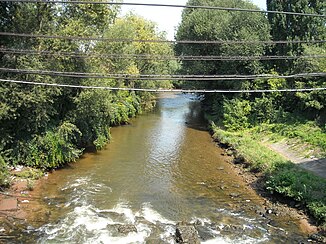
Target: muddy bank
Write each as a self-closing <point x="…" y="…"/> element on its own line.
<point x="16" y="204"/>
<point x="13" y="204"/>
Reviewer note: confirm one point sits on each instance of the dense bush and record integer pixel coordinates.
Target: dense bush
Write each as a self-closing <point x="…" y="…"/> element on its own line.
<point x="54" y="149"/>
<point x="236" y="114"/>
<point x="4" y="174"/>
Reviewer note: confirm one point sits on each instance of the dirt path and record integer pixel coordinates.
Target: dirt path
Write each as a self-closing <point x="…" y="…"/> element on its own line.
<point x="315" y="165"/>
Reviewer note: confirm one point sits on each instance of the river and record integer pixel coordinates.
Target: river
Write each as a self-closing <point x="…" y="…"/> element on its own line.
<point x="160" y="169"/>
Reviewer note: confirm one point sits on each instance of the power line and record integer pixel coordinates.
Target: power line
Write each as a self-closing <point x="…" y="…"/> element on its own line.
<point x="158" y="40"/>
<point x="153" y="56"/>
<point x="169" y="5"/>
<point x="160" y="90"/>
<point x="159" y="76"/>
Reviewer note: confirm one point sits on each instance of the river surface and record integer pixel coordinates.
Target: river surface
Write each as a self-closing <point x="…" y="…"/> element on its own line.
<point x="159" y="170"/>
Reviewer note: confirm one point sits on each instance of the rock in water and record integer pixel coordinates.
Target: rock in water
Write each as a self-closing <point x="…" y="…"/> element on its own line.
<point x="126" y="229"/>
<point x="186" y="234"/>
<point x="318" y="238"/>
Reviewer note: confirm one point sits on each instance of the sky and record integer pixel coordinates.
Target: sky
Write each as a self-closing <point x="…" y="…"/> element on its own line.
<point x="166" y="18"/>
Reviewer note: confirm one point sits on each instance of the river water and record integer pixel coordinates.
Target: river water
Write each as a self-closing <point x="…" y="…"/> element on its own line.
<point x="161" y="169"/>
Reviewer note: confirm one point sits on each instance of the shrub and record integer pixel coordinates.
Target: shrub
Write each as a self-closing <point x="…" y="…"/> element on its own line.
<point x="263" y="111"/>
<point x="101" y="141"/>
<point x="4" y="174"/>
<point x="236" y="114"/>
<point x="55" y="148"/>
<point x="302" y="186"/>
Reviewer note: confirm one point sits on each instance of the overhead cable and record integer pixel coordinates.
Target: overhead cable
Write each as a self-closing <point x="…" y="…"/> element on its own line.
<point x="159" y="40"/>
<point x="159" y="76"/>
<point x="160" y="90"/>
<point x="170" y="6"/>
<point x="153" y="56"/>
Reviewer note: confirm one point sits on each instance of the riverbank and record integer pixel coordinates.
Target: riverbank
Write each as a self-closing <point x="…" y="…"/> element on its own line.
<point x="17" y="200"/>
<point x="275" y="176"/>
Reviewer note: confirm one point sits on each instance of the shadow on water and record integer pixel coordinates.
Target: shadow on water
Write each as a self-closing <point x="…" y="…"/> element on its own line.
<point x="195" y="119"/>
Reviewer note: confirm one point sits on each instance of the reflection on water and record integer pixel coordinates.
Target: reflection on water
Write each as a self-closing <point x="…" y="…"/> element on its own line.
<point x="161" y="169"/>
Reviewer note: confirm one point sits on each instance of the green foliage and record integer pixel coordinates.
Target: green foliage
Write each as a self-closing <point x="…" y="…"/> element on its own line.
<point x="236" y="114"/>
<point x="263" y="111"/>
<point x="199" y="25"/>
<point x="4" y="174"/>
<point x="265" y="108"/>
<point x="312" y="103"/>
<point x="302" y="186"/>
<point x="30" y="185"/>
<point x="316" y="138"/>
<point x="291" y="27"/>
<point x="135" y="27"/>
<point x="318" y="209"/>
<point x="100" y="142"/>
<point x="54" y="149"/>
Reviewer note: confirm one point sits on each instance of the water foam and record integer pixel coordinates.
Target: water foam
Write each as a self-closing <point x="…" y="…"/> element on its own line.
<point x="87" y="224"/>
<point x="90" y="225"/>
<point x="153" y="216"/>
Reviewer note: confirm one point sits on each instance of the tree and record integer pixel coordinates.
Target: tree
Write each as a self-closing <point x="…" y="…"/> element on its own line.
<point x="295" y="27"/>
<point x="134" y="27"/>
<point x="313" y="104"/>
<point x="213" y="25"/>
<point x="33" y="117"/>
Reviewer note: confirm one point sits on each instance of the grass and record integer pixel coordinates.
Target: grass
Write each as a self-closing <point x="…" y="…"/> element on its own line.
<point x="29" y="173"/>
<point x="282" y="176"/>
<point x="299" y="132"/>
<point x="250" y="149"/>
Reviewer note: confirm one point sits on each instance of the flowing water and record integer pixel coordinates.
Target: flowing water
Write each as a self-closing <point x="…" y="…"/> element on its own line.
<point x="161" y="169"/>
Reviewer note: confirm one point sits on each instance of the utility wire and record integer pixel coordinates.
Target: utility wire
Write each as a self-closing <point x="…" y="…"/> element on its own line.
<point x="160" y="90"/>
<point x="153" y="56"/>
<point x="159" y="76"/>
<point x="158" y="40"/>
<point x="169" y="5"/>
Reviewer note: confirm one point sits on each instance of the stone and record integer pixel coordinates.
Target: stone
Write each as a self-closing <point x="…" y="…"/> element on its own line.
<point x="318" y="238"/>
<point x="239" y="160"/>
<point x="186" y="234"/>
<point x="204" y="233"/>
<point x="126" y="229"/>
<point x="234" y="195"/>
<point x="232" y="228"/>
<point x="8" y="204"/>
<point x="269" y="211"/>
